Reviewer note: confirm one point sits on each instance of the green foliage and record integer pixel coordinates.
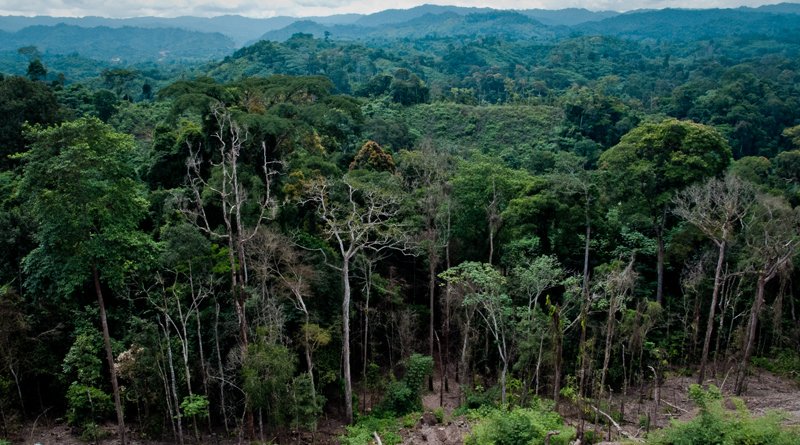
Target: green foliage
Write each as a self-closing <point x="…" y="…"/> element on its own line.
<point x="23" y="101"/>
<point x="361" y="433"/>
<point x="402" y="397"/>
<point x="92" y="432"/>
<point x="438" y="412"/>
<point x="718" y="425"/>
<point x="655" y="160"/>
<point x="520" y="426"/>
<point x="83" y="360"/>
<point x="371" y="156"/>
<point x="784" y="362"/>
<point x="195" y="405"/>
<point x="408" y="89"/>
<point x="267" y="374"/>
<point x="81" y="184"/>
<point x="305" y="408"/>
<point x="87" y="405"/>
<point x="479" y="397"/>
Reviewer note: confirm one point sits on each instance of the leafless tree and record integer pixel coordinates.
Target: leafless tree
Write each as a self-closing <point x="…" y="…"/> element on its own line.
<point x="716" y="208"/>
<point x="228" y="188"/>
<point x="772" y="239"/>
<point x="356" y="217"/>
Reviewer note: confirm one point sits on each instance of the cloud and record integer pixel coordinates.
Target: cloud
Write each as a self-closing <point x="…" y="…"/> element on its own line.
<point x="271" y="8"/>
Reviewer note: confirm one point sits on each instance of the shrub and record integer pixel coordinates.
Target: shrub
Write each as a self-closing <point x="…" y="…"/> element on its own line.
<point x="716" y="425"/>
<point x="361" y="433"/>
<point x="87" y="405"/>
<point x="195" y="405"/>
<point x="478" y="397"/>
<point x="305" y="407"/>
<point x="520" y="426"/>
<point x="785" y="363"/>
<point x="403" y="397"/>
<point x="438" y="412"/>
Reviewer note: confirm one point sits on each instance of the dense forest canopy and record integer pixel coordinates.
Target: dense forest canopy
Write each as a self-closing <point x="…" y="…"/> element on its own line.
<point x="529" y="211"/>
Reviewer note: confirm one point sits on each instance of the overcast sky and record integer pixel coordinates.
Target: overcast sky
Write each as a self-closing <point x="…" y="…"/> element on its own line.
<point x="300" y="8"/>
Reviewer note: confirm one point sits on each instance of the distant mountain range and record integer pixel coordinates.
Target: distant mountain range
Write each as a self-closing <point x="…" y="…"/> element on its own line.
<point x="196" y="38"/>
<point x="121" y="45"/>
<point x="243" y="30"/>
<point x="688" y="24"/>
<point x="446" y="24"/>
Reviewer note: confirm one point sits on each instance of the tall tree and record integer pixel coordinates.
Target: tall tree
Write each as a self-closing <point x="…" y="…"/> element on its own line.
<point x="429" y="169"/>
<point x="228" y="185"/>
<point x="360" y="212"/>
<point x="716" y="208"/>
<point x="483" y="286"/>
<point x="80" y="182"/>
<point x="652" y="163"/>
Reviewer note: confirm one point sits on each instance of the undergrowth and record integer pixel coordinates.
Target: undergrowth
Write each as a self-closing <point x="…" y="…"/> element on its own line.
<point x="518" y="426"/>
<point x="716" y="425"/>
<point x="785" y="363"/>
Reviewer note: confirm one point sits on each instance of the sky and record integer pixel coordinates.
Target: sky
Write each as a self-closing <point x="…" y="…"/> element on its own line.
<point x="303" y="8"/>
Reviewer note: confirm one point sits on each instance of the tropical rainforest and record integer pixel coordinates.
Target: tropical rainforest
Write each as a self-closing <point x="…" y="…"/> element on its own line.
<point x="519" y="221"/>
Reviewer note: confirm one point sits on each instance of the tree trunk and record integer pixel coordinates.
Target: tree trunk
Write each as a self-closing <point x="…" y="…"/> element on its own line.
<point x="557" y="353"/>
<point x="612" y="309"/>
<point x="309" y="359"/>
<point x="220" y="368"/>
<point x="503" y="383"/>
<point x="539" y="364"/>
<point x="110" y="357"/>
<point x="463" y="366"/>
<point x="752" y="325"/>
<point x="174" y="384"/>
<point x="431" y="295"/>
<point x="660" y="268"/>
<point x="711" y="310"/>
<point x="584" y="314"/>
<point x="348" y="383"/>
<point x="365" y="345"/>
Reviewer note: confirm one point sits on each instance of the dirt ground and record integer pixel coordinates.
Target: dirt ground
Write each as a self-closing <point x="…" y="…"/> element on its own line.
<point x="765" y="391"/>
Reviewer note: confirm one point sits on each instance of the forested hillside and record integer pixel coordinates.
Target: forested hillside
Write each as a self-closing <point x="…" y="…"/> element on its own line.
<point x="532" y="226"/>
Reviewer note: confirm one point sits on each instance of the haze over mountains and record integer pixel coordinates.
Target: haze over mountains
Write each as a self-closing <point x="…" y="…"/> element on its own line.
<point x="195" y="38"/>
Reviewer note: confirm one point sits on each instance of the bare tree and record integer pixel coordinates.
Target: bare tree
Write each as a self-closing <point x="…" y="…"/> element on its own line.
<point x="280" y="266"/>
<point x="715" y="208"/>
<point x="773" y="239"/>
<point x="357" y="216"/>
<point x="229" y="189"/>
<point x="617" y="287"/>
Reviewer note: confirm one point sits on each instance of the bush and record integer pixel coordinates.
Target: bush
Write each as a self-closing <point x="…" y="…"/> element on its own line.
<point x="716" y="425"/>
<point x="438" y="412"/>
<point x="403" y="397"/>
<point x="785" y="363"/>
<point x="305" y="408"/>
<point x="361" y="433"/>
<point x="195" y="405"/>
<point x="520" y="426"/>
<point x="478" y="397"/>
<point x="87" y="405"/>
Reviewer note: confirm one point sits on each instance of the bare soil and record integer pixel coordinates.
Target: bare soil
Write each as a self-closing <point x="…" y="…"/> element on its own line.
<point x="765" y="391"/>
